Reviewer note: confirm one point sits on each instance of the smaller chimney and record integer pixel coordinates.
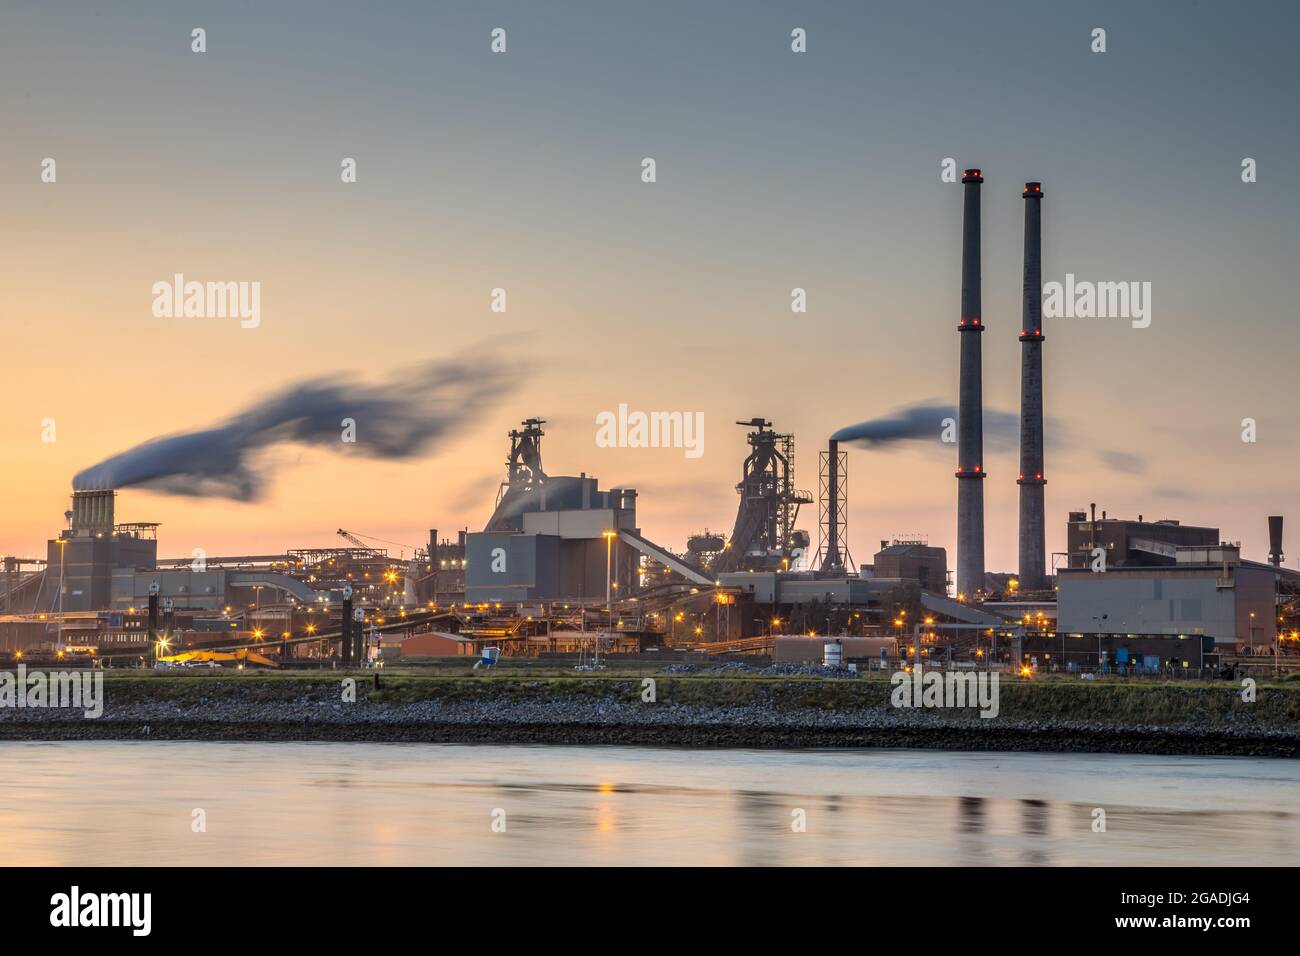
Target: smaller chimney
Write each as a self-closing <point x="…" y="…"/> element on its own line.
<point x="1275" y="540"/>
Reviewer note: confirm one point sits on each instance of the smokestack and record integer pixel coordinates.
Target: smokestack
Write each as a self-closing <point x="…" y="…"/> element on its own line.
<point x="1033" y="543"/>
<point x="970" y="413"/>
<point x="1275" y="540"/>
<point x="93" y="511"/>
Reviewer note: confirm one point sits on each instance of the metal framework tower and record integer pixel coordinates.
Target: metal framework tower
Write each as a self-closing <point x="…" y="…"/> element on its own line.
<point x="1033" y="544"/>
<point x="833" y="511"/>
<point x="970" y="422"/>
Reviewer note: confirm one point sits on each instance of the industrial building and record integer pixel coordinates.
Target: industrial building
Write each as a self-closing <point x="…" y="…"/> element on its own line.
<point x="912" y="560"/>
<point x="1206" y="592"/>
<point x="1128" y="543"/>
<point x="561" y="562"/>
<point x="557" y="538"/>
<point x="81" y="561"/>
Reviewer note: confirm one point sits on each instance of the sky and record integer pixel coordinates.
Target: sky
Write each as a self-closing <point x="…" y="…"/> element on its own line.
<point x="522" y="170"/>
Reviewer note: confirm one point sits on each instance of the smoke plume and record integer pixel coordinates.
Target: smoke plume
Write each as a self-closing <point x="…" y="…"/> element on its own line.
<point x="926" y="423"/>
<point x="394" y="420"/>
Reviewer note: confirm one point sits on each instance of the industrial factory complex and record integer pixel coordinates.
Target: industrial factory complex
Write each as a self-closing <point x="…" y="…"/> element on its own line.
<point x="561" y="567"/>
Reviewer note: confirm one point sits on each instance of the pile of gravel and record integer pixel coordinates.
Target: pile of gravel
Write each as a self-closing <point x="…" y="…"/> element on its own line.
<point x="681" y="669"/>
<point x="805" y="670"/>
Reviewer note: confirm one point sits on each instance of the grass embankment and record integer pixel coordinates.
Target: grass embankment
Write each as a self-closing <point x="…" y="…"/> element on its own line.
<point x="1179" y="703"/>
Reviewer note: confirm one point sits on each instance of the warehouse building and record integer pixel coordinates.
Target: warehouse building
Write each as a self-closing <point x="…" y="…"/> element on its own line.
<point x="1207" y="592"/>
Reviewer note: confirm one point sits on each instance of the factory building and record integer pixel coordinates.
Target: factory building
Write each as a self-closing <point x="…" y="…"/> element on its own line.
<point x="552" y="538"/>
<point x="1207" y="592"/>
<point x="915" y="561"/>
<point x="1127" y="543"/>
<point x="208" y="590"/>
<point x="81" y="561"/>
<point x="560" y="554"/>
<point x="444" y="577"/>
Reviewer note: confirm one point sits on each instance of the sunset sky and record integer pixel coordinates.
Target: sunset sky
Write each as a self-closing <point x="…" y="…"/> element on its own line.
<point x="775" y="170"/>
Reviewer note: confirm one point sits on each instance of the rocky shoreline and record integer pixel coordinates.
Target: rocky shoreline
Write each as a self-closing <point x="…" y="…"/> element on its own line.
<point x="690" y="712"/>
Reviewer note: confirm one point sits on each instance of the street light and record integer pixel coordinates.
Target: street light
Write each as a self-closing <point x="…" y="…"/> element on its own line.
<point x="1099" y="619"/>
<point x="609" y="577"/>
<point x="62" y="543"/>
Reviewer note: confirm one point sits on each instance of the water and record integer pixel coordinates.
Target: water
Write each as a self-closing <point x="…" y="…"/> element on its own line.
<point x="133" y="803"/>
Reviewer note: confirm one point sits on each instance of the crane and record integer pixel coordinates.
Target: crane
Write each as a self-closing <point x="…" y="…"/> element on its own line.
<point x="412" y="568"/>
<point x="356" y="540"/>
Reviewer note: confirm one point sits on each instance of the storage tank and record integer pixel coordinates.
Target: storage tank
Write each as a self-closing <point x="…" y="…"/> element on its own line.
<point x="833" y="654"/>
<point x="797" y="649"/>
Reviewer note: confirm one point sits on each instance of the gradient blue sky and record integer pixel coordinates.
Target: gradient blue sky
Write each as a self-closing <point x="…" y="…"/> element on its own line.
<point x="775" y="170"/>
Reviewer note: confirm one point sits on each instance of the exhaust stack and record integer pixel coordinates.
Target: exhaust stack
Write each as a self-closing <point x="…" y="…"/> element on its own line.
<point x="93" y="511"/>
<point x="1033" y="546"/>
<point x="1275" y="540"/>
<point x="970" y="422"/>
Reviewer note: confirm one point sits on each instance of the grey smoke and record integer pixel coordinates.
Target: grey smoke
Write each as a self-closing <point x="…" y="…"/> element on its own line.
<point x="925" y="423"/>
<point x="1123" y="461"/>
<point x="394" y="420"/>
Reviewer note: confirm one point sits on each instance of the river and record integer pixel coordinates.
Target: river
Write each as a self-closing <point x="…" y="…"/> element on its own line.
<point x="243" y="804"/>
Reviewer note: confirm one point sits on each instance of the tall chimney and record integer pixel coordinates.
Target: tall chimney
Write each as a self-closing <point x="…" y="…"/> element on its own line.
<point x="1275" y="540"/>
<point x="970" y="422"/>
<point x="1033" y="544"/>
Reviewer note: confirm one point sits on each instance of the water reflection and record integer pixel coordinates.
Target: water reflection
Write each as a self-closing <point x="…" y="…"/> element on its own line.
<point x="1033" y="814"/>
<point x="352" y="804"/>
